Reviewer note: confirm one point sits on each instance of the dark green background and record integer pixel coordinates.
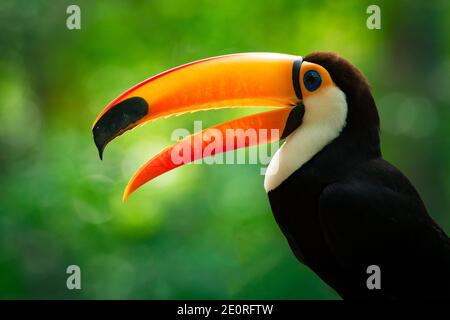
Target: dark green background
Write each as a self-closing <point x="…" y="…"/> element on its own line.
<point x="199" y="231"/>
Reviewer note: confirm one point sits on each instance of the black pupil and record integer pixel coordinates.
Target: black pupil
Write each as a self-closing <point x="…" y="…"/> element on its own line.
<point x="311" y="79"/>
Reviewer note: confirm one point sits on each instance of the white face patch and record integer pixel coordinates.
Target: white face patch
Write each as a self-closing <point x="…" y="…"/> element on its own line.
<point x="325" y="117"/>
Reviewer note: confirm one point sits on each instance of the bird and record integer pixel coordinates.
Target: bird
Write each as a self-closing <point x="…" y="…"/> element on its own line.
<point x="340" y="205"/>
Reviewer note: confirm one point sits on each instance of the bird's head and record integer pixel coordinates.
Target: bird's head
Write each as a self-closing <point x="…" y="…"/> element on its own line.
<point x="314" y="100"/>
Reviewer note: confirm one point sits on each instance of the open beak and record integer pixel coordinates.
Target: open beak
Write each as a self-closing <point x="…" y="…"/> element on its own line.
<point x="237" y="80"/>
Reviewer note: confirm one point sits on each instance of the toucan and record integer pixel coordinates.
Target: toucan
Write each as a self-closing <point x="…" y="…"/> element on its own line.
<point x="345" y="211"/>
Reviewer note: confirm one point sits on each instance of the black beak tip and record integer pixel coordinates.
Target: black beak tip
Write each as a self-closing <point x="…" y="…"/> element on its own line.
<point x="100" y="140"/>
<point x="117" y="120"/>
<point x="100" y="148"/>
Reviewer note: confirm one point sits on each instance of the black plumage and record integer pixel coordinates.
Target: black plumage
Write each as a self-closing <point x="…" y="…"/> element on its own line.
<point x="348" y="208"/>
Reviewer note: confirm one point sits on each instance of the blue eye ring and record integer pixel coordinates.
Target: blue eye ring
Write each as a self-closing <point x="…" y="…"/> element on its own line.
<point x="312" y="80"/>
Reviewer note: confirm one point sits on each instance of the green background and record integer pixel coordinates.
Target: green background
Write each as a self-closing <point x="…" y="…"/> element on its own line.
<point x="200" y="231"/>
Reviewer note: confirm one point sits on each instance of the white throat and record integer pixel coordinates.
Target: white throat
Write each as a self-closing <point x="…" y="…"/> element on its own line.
<point x="324" y="118"/>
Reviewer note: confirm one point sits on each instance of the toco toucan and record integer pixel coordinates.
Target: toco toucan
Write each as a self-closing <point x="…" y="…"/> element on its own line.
<point x="342" y="208"/>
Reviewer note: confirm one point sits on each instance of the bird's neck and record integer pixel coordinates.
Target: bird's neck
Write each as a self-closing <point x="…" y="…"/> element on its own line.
<point x="322" y="123"/>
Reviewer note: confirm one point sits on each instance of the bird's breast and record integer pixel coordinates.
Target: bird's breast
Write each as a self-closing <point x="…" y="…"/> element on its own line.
<point x="294" y="205"/>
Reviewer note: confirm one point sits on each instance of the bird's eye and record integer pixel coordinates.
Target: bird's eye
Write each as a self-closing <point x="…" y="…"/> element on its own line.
<point x="312" y="80"/>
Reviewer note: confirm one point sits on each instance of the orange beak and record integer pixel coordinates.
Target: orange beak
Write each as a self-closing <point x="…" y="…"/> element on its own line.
<point x="238" y="80"/>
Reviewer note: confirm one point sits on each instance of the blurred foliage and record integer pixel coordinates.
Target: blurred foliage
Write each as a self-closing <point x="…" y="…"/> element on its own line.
<point x="199" y="231"/>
